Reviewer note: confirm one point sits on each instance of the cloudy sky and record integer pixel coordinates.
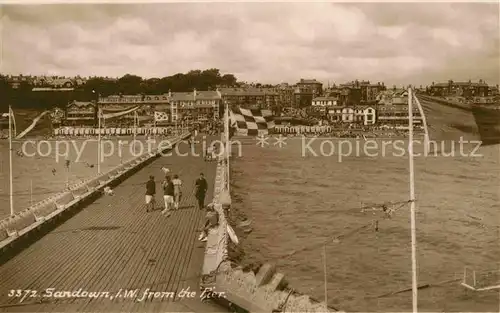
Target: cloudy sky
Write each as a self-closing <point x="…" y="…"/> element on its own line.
<point x="397" y="43"/>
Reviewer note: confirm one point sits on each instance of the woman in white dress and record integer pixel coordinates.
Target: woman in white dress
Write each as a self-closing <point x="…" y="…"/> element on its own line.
<point x="177" y="191"/>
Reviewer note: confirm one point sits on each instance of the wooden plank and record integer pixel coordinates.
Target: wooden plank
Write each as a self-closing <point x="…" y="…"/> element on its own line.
<point x="78" y="254"/>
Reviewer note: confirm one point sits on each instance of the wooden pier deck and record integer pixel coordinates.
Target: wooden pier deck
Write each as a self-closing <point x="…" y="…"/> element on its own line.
<point x="113" y="245"/>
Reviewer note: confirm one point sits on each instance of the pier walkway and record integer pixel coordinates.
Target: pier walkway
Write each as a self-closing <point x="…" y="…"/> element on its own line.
<point x="113" y="245"/>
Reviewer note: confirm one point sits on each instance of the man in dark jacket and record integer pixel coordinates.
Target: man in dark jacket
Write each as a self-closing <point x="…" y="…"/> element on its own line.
<point x="150" y="194"/>
<point x="201" y="187"/>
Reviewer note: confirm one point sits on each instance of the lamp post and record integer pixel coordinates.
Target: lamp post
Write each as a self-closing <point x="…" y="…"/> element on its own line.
<point x="99" y="115"/>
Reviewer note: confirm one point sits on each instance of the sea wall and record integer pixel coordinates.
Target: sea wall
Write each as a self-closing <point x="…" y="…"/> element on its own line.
<point x="13" y="228"/>
<point x="264" y="291"/>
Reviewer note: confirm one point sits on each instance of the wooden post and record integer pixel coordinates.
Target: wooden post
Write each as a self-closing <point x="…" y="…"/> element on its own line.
<point x="99" y="143"/>
<point x="11" y="188"/>
<point x="31" y="192"/>
<point x="326" y="284"/>
<point x="412" y="204"/>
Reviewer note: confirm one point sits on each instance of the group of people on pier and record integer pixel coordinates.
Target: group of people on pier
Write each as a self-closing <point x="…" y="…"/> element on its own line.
<point x="172" y="187"/>
<point x="172" y="192"/>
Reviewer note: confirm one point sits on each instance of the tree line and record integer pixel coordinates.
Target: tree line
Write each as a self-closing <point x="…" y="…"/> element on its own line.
<point x="24" y="97"/>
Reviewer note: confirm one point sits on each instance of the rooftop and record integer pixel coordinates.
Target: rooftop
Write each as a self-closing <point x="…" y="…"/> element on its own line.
<point x="481" y="83"/>
<point x="309" y="81"/>
<point x="326" y="98"/>
<point x="81" y="104"/>
<point x="247" y="91"/>
<point x="191" y="96"/>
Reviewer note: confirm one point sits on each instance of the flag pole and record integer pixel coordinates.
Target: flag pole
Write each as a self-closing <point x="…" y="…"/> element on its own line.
<point x="325" y="277"/>
<point x="67" y="173"/>
<point x="31" y="192"/>
<point x="412" y="203"/>
<point x="10" y="163"/>
<point x="228" y="144"/>
<point x="135" y="125"/>
<point x="99" y="142"/>
<point x="424" y="122"/>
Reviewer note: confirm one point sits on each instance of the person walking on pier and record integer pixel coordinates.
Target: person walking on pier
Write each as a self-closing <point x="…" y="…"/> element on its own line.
<point x="150" y="193"/>
<point x="201" y="187"/>
<point x="177" y="191"/>
<point x="168" y="195"/>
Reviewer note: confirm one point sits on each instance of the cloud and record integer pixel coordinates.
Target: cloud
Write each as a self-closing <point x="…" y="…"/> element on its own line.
<point x="398" y="43"/>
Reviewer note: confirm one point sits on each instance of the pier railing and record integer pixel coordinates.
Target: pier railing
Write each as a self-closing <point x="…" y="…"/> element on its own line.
<point x="15" y="227"/>
<point x="264" y="291"/>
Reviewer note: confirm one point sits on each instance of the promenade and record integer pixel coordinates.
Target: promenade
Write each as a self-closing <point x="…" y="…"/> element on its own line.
<point x="113" y="245"/>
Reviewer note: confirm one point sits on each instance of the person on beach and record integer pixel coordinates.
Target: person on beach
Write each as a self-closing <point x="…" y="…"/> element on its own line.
<point x="150" y="193"/>
<point x="201" y="187"/>
<point x="211" y="221"/>
<point x="168" y="194"/>
<point x="177" y="191"/>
